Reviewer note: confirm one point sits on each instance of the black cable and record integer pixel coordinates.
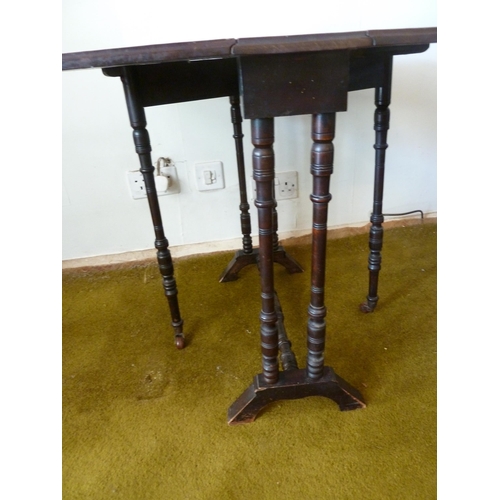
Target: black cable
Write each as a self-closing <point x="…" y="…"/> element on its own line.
<point x="405" y="213"/>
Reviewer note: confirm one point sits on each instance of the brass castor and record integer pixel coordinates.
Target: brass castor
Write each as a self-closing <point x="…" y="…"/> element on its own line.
<point x="179" y="342"/>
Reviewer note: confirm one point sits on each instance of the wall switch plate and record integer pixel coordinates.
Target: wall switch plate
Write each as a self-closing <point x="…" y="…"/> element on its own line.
<point x="209" y="175"/>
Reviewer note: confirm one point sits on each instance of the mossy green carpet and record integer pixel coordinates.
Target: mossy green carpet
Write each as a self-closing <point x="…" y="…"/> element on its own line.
<point x="142" y="420"/>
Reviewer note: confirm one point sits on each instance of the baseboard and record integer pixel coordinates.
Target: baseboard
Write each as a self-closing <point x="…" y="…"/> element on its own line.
<point x="286" y="238"/>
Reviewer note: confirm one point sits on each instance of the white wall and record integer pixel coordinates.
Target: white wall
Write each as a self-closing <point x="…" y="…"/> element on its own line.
<point x="100" y="217"/>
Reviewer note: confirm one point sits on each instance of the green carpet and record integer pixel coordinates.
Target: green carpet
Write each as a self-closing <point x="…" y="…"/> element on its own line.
<point x="142" y="420"/>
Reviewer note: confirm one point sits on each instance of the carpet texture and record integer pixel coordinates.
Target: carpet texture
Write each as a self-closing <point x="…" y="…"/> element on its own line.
<point x="142" y="420"/>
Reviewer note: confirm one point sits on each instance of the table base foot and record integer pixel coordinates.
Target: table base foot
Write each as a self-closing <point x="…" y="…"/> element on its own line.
<point x="293" y="384"/>
<point x="242" y="259"/>
<point x="238" y="262"/>
<point x="289" y="263"/>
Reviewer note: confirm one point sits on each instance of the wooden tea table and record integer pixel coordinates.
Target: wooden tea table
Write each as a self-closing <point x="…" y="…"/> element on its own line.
<point x="271" y="77"/>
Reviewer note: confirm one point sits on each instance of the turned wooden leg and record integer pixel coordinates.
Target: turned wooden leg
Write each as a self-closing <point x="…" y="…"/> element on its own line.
<point x="263" y="174"/>
<point x="246" y="225"/>
<point x="287" y="356"/>
<point x="382" y="116"/>
<point x="292" y="382"/>
<point x="247" y="255"/>
<point x="323" y="131"/>
<point x="143" y="149"/>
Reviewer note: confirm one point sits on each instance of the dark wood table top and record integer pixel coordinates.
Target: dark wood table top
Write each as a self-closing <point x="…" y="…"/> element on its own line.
<point x="210" y="49"/>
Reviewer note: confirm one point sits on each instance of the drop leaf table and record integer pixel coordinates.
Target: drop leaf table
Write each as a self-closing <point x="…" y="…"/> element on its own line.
<point x="265" y="78"/>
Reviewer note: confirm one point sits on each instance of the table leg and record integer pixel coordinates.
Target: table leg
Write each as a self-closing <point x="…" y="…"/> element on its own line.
<point x="323" y="132"/>
<point x="248" y="255"/>
<point x="263" y="172"/>
<point x="292" y="382"/>
<point x="382" y="116"/>
<point x="143" y="148"/>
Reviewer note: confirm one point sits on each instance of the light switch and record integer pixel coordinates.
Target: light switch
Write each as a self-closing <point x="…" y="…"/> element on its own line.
<point x="209" y="175"/>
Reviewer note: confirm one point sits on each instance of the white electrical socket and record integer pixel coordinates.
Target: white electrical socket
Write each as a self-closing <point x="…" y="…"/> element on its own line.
<point x="285" y="185"/>
<point x="138" y="188"/>
<point x="136" y="184"/>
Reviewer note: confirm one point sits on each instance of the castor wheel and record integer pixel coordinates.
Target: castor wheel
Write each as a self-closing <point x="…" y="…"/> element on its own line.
<point x="366" y="307"/>
<point x="179" y="342"/>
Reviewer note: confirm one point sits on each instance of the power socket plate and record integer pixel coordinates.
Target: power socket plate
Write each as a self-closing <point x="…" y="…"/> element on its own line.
<point x="138" y="188"/>
<point x="285" y="185"/>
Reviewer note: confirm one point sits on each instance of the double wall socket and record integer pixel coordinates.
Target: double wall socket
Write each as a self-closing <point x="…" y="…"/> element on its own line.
<point x="285" y="185"/>
<point x="166" y="183"/>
